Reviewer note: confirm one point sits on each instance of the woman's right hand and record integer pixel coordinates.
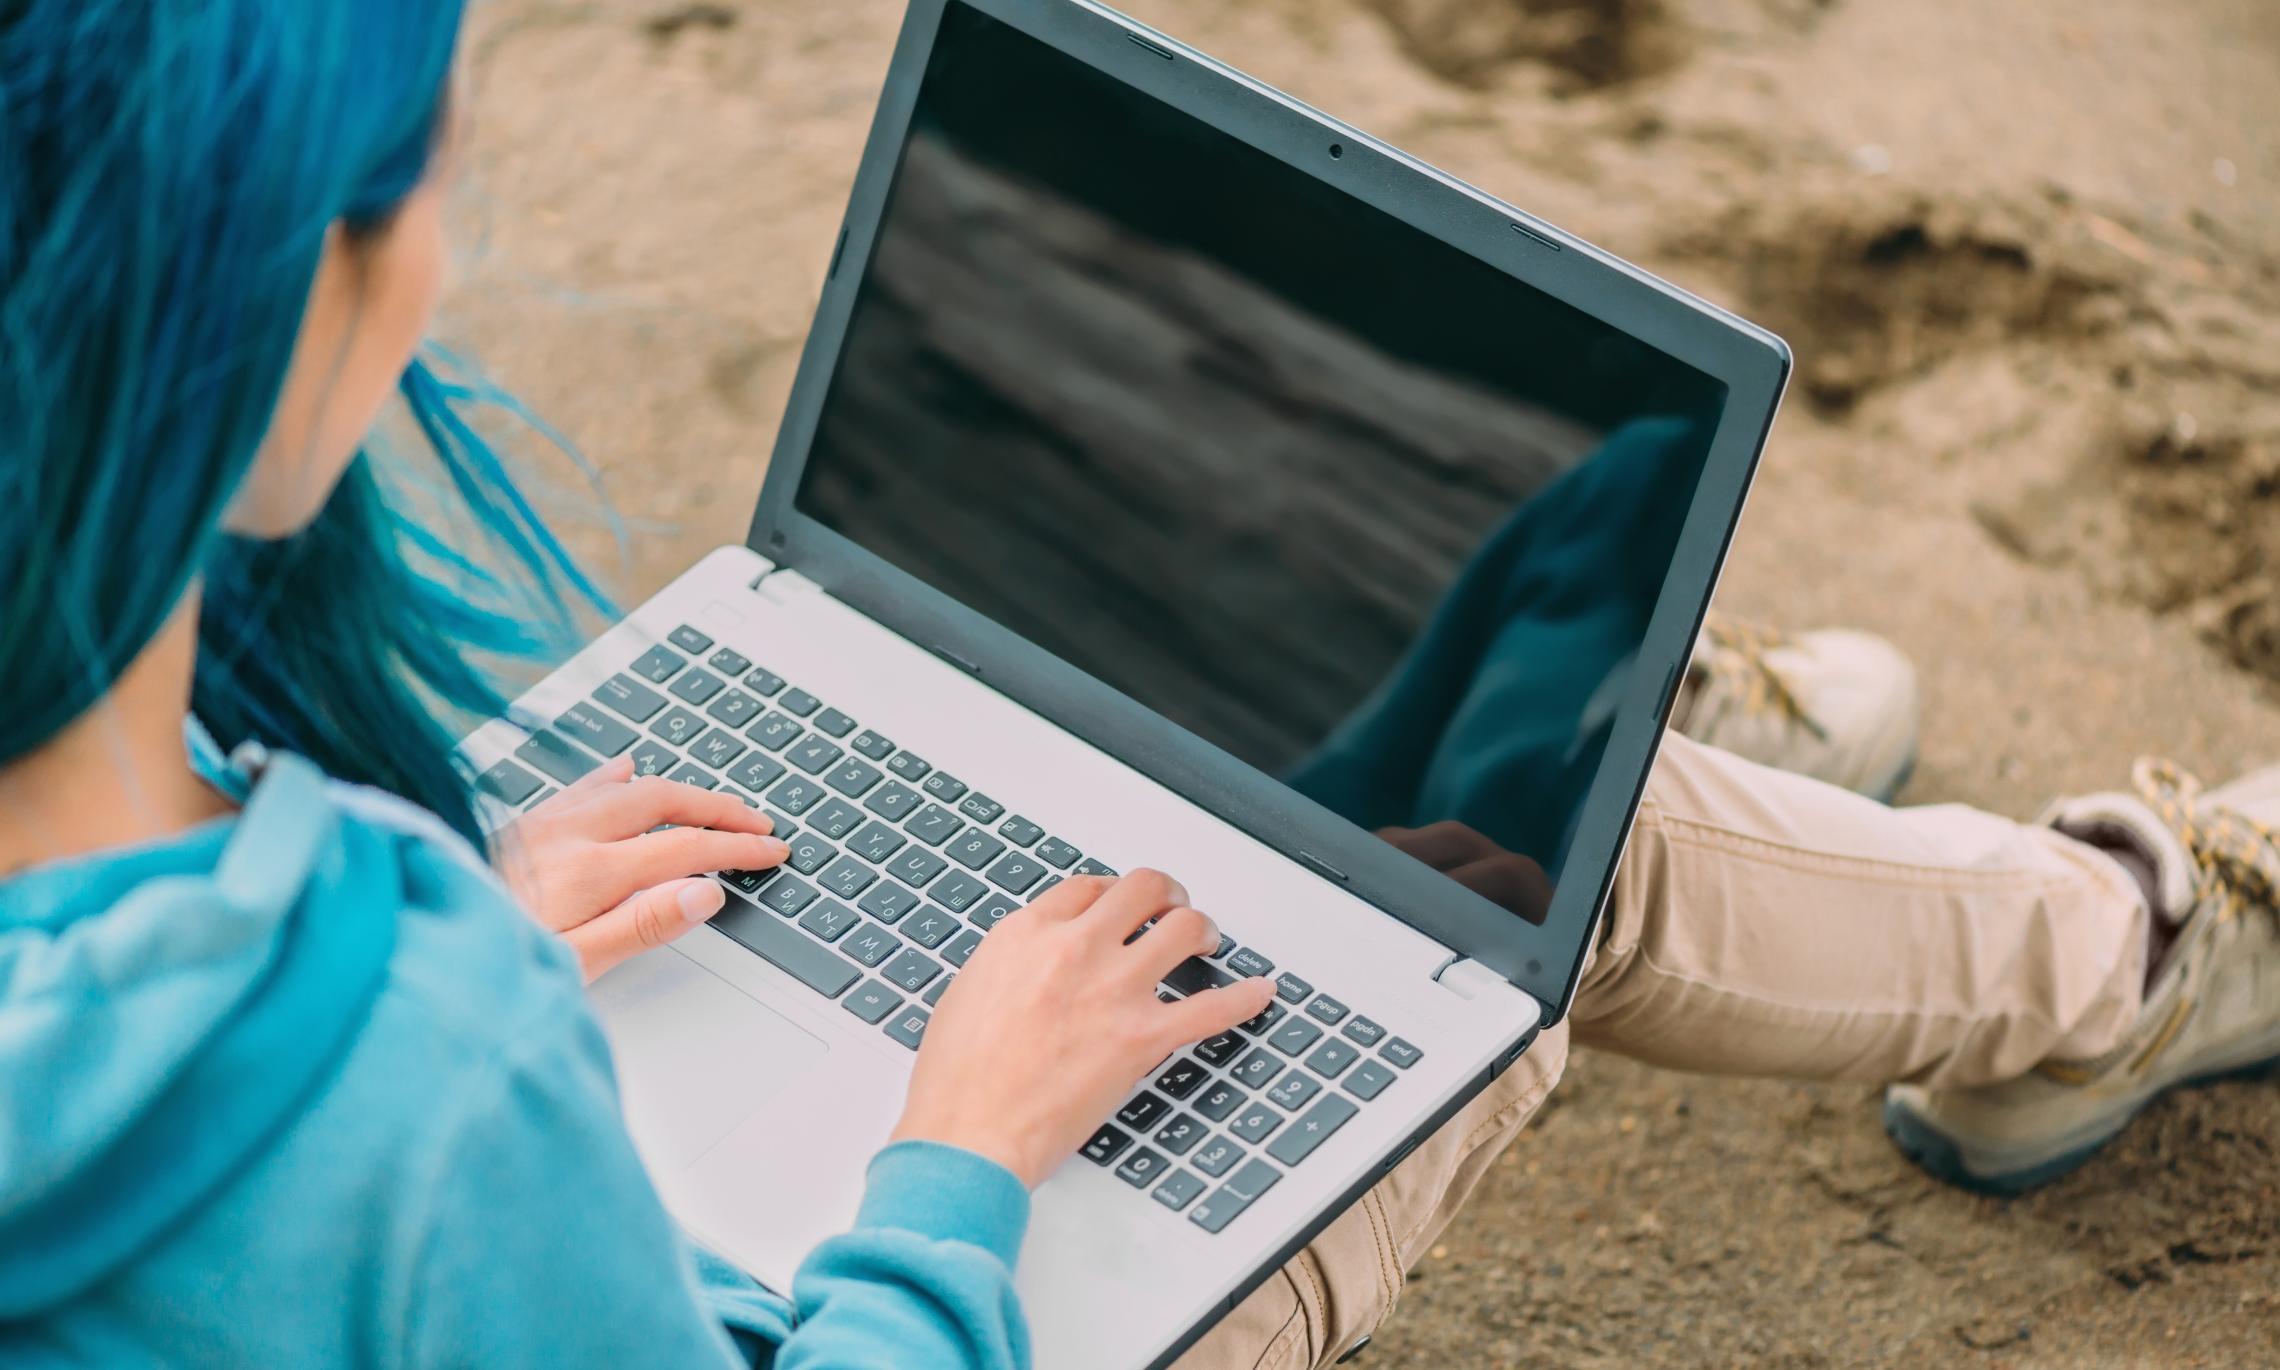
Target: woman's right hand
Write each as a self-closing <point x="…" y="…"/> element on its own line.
<point x="1056" y="1017"/>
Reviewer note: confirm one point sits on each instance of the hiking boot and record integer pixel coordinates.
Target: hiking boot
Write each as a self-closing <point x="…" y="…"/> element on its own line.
<point x="1834" y="704"/>
<point x="2212" y="1008"/>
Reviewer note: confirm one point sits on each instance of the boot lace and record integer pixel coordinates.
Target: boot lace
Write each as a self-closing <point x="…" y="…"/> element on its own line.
<point x="2236" y="859"/>
<point x="1762" y="689"/>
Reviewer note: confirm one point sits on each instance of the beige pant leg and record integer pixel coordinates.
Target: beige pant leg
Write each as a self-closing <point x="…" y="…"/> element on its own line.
<point x="1761" y="924"/>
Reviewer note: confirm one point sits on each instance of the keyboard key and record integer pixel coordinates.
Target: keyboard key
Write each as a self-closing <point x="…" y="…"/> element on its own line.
<point x="962" y="946"/>
<point x="657" y="665"/>
<point x="758" y="772"/>
<point x="1016" y="873"/>
<point x="1037" y="891"/>
<point x="892" y="802"/>
<point x="774" y="732"/>
<point x="1267" y="1018"/>
<point x="1293" y="1090"/>
<point x="1106" y="1145"/>
<point x="974" y="849"/>
<point x="876" y="841"/>
<point x="828" y="919"/>
<point x="934" y="825"/>
<point x="1369" y="1079"/>
<point x="987" y="913"/>
<point x="1019" y="831"/>
<point x="1216" y="1157"/>
<point x="910" y="766"/>
<point x="541" y="797"/>
<point x="509" y="783"/>
<point x="916" y="866"/>
<point x="847" y="877"/>
<point x="834" y="722"/>
<point x="1294" y="1036"/>
<point x="690" y="640"/>
<point x="1363" y="1031"/>
<point x="912" y="971"/>
<point x="888" y="902"/>
<point x="729" y="663"/>
<point x="696" y="685"/>
<point x="1241" y="1190"/>
<point x="812" y="754"/>
<point x="871" y="944"/>
<point x="945" y="786"/>
<point x="810" y="854"/>
<point x="1325" y="1009"/>
<point x="788" y="896"/>
<point x="1226" y="945"/>
<point x="717" y="748"/>
<point x="1401" y="1053"/>
<point x="678" y="726"/>
<point x="750" y="881"/>
<point x="1182" y="1077"/>
<point x="835" y="818"/>
<point x="798" y="703"/>
<point x="1219" y="1050"/>
<point x="1141" y="1168"/>
<point x="796" y="795"/>
<point x="872" y="745"/>
<point x="941" y="987"/>
<point x="1180" y="1134"/>
<point x="556" y="757"/>
<point x="1057" y="854"/>
<point x="763" y="682"/>
<point x="871" y="1001"/>
<point x="929" y="927"/>
<point x="651" y="759"/>
<point x="851" y="777"/>
<point x="909" y="1026"/>
<point x="782" y="827"/>
<point x="1256" y="1069"/>
<point x="1088" y="866"/>
<point x="980" y="807"/>
<point x="1177" y="1191"/>
<point x="958" y="890"/>
<point x="734" y="708"/>
<point x="630" y="698"/>
<point x="1218" y="1099"/>
<point x="1248" y="962"/>
<point x="1142" y="1111"/>
<point x="1313" y="1130"/>
<point x="811" y="963"/>
<point x="1332" y="1057"/>
<point x="1290" y="989"/>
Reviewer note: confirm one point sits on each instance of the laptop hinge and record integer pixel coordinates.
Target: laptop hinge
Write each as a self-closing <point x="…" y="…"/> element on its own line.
<point x="1468" y="979"/>
<point x="782" y="584"/>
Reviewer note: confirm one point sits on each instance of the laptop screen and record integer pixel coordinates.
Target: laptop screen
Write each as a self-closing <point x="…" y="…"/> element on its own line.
<point x="1349" y="503"/>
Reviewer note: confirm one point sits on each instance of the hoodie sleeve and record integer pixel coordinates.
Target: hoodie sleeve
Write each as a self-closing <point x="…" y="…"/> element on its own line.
<point x="544" y="1243"/>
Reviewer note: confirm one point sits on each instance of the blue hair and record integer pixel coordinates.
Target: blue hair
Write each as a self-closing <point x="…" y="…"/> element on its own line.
<point x="169" y="172"/>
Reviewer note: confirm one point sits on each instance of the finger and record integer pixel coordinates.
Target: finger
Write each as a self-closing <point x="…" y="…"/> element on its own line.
<point x="649" y="919"/>
<point x="636" y="863"/>
<point x="1179" y="934"/>
<point x="607" y="776"/>
<point x="1069" y="898"/>
<point x="1215" y="1010"/>
<point x="1133" y="900"/>
<point x="652" y="801"/>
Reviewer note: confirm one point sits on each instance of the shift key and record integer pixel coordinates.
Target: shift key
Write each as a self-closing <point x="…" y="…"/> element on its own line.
<point x="788" y="949"/>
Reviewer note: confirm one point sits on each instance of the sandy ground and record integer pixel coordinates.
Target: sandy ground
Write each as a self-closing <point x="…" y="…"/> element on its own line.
<point x="2028" y="254"/>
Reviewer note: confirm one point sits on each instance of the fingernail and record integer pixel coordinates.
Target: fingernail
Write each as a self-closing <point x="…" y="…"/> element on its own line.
<point x="700" y="900"/>
<point x="776" y="847"/>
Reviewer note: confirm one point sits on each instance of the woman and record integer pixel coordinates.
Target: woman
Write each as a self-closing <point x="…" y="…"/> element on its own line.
<point x="291" y="1079"/>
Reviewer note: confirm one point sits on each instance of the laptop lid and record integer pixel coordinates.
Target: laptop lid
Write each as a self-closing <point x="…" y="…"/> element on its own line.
<point x="1354" y="505"/>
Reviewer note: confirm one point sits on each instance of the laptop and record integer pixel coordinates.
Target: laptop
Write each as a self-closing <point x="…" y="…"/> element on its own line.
<point x="1174" y="476"/>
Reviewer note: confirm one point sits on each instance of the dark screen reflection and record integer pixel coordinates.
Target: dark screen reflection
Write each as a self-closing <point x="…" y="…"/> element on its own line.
<point x="1343" y="500"/>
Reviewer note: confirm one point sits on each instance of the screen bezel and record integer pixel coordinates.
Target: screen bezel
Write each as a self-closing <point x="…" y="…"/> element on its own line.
<point x="1542" y="959"/>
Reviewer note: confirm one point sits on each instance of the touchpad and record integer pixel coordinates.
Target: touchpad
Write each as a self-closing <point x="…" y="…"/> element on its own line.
<point x="695" y="1055"/>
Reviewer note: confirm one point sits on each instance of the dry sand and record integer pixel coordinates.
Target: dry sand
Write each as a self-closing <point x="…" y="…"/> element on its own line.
<point x="2028" y="253"/>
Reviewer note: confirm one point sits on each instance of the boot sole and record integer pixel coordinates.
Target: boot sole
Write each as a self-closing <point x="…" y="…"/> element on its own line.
<point x="1941" y="1157"/>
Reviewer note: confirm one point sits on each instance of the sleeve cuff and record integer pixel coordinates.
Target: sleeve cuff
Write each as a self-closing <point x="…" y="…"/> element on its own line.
<point x="946" y="1193"/>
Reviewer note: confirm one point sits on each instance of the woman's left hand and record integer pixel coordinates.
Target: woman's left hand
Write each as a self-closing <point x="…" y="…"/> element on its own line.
<point x="587" y="864"/>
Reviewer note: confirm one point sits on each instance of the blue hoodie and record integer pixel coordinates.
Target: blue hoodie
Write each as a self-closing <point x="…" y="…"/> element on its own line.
<point x="304" y="1087"/>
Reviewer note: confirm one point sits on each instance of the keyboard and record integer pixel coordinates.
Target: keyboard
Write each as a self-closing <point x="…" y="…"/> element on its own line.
<point x="897" y="872"/>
